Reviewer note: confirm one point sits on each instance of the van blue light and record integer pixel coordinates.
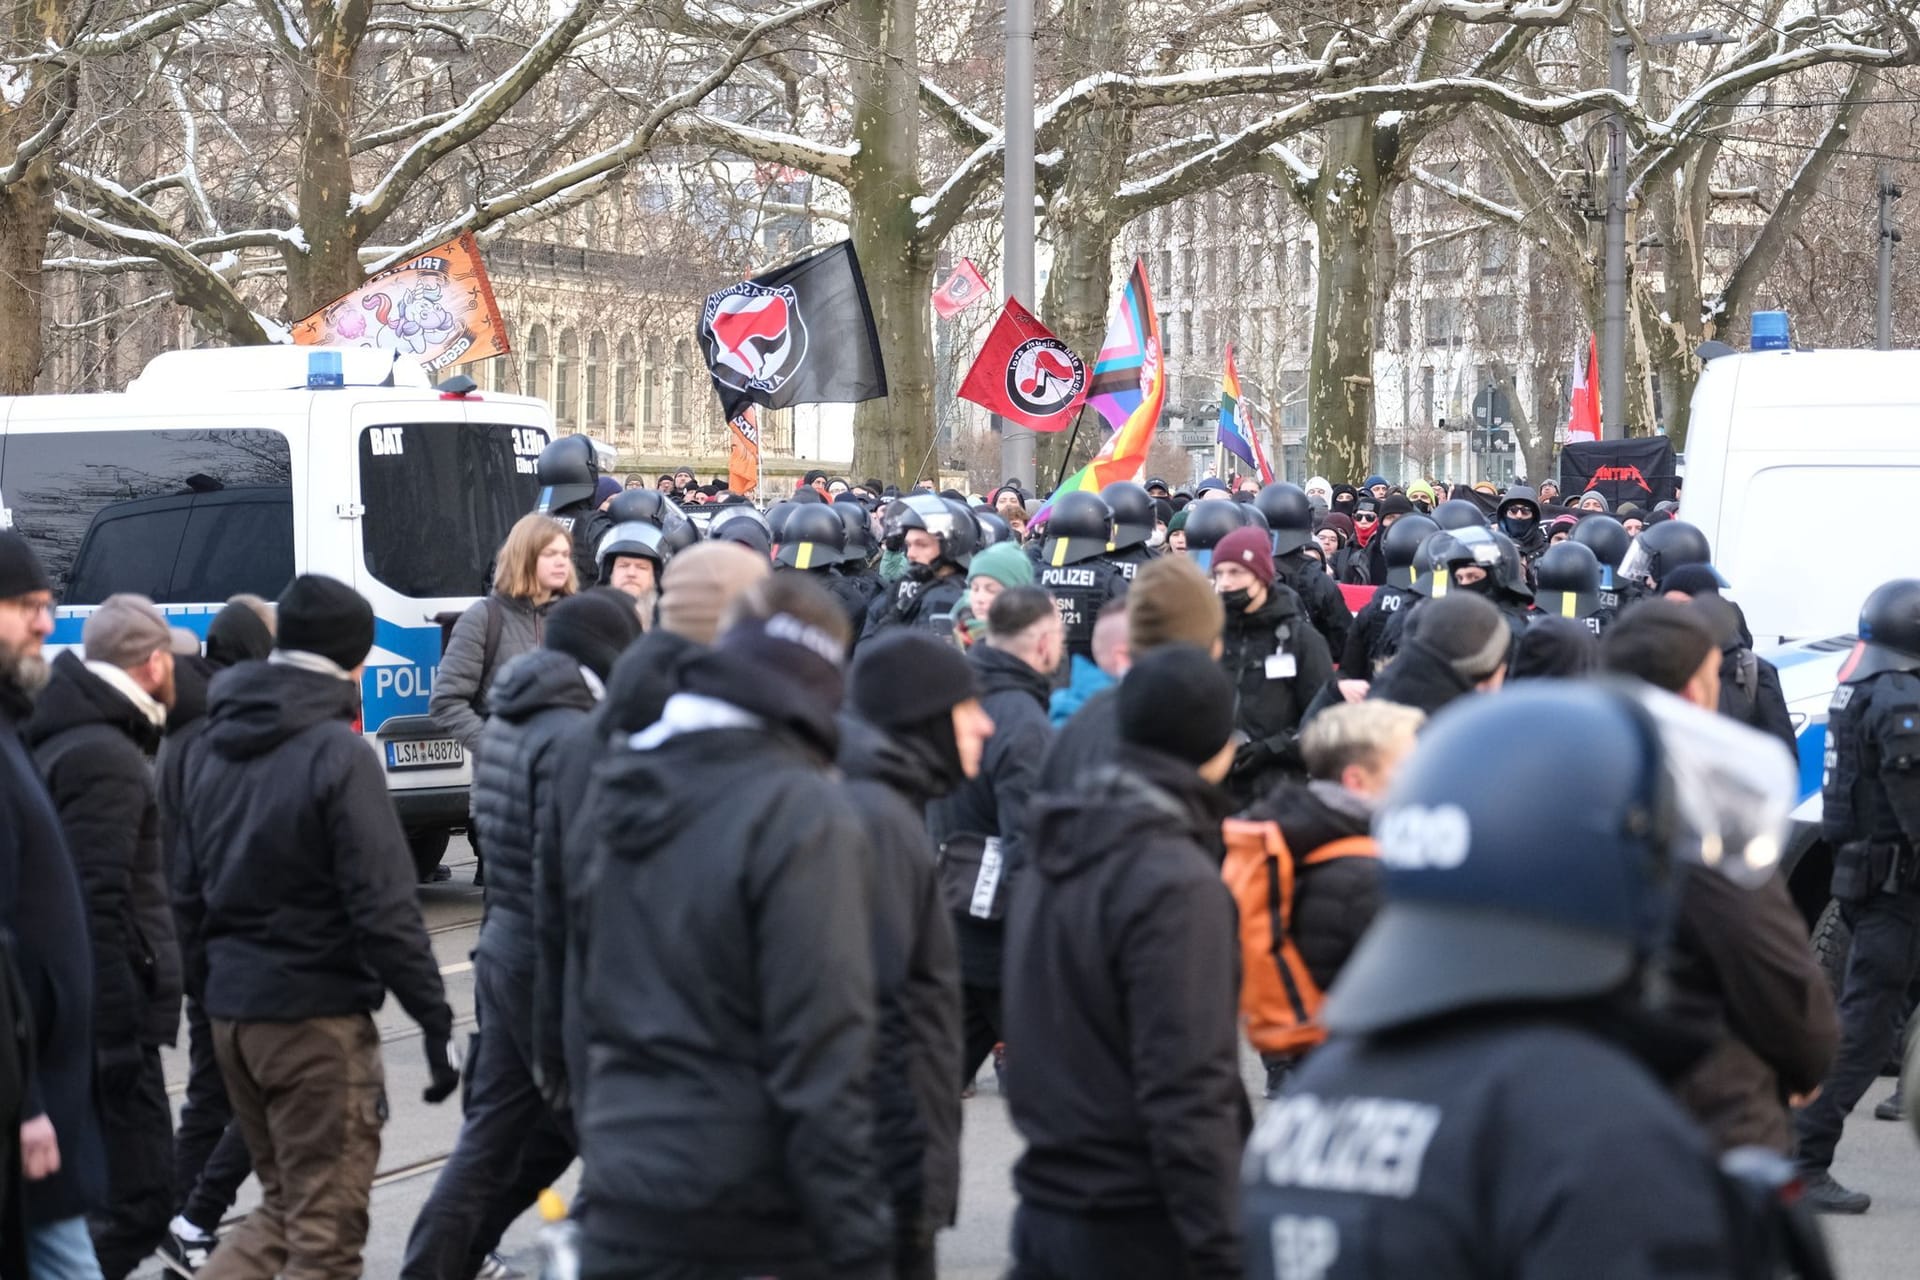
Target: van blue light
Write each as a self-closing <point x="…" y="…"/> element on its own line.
<point x="1770" y="331"/>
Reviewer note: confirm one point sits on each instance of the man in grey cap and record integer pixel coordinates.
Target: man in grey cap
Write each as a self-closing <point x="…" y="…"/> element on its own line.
<point x="93" y="733"/>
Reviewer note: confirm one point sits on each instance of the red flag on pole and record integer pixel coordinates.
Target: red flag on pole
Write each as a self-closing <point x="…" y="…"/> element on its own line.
<point x="1583" y="423"/>
<point x="1025" y="374"/>
<point x="962" y="289"/>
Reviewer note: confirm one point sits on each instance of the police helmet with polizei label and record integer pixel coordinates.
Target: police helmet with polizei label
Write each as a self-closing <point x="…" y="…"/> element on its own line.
<point x="1566" y="581"/>
<point x="1477" y="911"/>
<point x="1402" y="549"/>
<point x="1208" y="522"/>
<point x="638" y="538"/>
<point x="1079" y="527"/>
<point x="1662" y="548"/>
<point x="814" y="537"/>
<point x="1889" y="632"/>
<point x="948" y="522"/>
<point x="1289" y="516"/>
<point x="568" y="471"/>
<point x="740" y="523"/>
<point x="1458" y="513"/>
<point x="1132" y="508"/>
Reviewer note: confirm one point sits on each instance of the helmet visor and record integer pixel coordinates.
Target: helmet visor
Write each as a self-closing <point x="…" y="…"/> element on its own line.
<point x="634" y="538"/>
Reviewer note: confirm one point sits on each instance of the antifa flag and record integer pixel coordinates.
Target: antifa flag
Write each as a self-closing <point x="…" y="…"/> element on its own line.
<point x="801" y="335"/>
<point x="1638" y="470"/>
<point x="962" y="289"/>
<point x="1025" y="374"/>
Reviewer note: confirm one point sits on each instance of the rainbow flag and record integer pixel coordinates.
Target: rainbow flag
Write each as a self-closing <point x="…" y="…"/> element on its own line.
<point x="1233" y="434"/>
<point x="1129" y="389"/>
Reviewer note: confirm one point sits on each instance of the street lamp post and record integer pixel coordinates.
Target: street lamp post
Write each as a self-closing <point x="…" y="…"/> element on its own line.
<point x="1016" y="261"/>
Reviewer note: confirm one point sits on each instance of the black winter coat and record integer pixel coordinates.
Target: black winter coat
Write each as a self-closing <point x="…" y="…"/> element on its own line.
<point x="1268" y="708"/>
<point x="1014" y="695"/>
<point x="1326" y="609"/>
<point x="94" y="749"/>
<point x="916" y="978"/>
<point x="1366" y="641"/>
<point x="1334" y="902"/>
<point x="726" y="997"/>
<point x="1122" y="1008"/>
<point x="293" y="885"/>
<point x="1086" y="741"/>
<point x="1352" y="564"/>
<point x="43" y="922"/>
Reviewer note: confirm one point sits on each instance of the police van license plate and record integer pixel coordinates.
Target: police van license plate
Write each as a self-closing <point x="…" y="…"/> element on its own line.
<point x="424" y="753"/>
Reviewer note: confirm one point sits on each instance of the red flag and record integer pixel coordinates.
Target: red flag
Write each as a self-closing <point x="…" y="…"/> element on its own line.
<point x="962" y="289"/>
<point x="1025" y="374"/>
<point x="1584" y="421"/>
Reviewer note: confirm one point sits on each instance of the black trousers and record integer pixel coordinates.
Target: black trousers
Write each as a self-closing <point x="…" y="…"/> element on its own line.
<point x="980" y="1029"/>
<point x="210" y="1158"/>
<point x="136" y="1122"/>
<point x="601" y="1260"/>
<point x="1068" y="1246"/>
<point x="1881" y="964"/>
<point x="511" y="1145"/>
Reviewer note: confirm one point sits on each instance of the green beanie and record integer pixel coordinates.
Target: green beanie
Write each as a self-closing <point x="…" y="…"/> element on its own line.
<point x="1005" y="563"/>
<point x="1179" y="520"/>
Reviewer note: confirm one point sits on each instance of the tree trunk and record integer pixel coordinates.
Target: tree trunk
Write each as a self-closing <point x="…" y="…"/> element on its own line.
<point x="26" y="213"/>
<point x="330" y="264"/>
<point x="1348" y="197"/>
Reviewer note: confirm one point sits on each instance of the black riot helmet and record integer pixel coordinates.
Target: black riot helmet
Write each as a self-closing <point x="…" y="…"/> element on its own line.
<point x="1288" y="514"/>
<point x="568" y="471"/>
<point x="739" y="522"/>
<point x="1402" y="547"/>
<point x="1603" y="535"/>
<point x="1889" y="632"/>
<point x="1079" y="527"/>
<point x="777" y="517"/>
<point x="1662" y="548"/>
<point x="680" y="536"/>
<point x="814" y="537"/>
<point x="1494" y="552"/>
<point x="639" y="504"/>
<point x="1208" y="522"/>
<point x="1132" y="508"/>
<point x="860" y="542"/>
<point x="636" y="538"/>
<point x="1567" y="581"/>
<point x="993" y="530"/>
<point x="1458" y="513"/>
<point x="948" y="521"/>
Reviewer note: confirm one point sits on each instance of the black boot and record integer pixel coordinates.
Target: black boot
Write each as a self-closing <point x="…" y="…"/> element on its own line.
<point x="1823" y="1195"/>
<point x="1892" y="1107"/>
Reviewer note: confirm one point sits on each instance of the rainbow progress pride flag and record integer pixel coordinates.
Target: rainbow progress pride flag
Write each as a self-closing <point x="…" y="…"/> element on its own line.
<point x="1129" y="389"/>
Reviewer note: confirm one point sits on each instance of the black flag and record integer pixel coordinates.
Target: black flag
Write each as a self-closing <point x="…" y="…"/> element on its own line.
<point x="801" y="335"/>
<point x="1638" y="470"/>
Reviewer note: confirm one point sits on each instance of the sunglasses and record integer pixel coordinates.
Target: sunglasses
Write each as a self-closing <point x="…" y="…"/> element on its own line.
<point x="1365" y="517"/>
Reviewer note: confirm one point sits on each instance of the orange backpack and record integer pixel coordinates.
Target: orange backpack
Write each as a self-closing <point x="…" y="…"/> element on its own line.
<point x="1279" y="1000"/>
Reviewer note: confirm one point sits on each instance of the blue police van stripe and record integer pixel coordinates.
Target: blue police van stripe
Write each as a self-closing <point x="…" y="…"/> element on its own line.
<point x="1813" y="751"/>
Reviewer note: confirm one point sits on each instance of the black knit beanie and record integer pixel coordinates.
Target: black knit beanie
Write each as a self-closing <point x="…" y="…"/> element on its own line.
<point x="1470" y="634"/>
<point x="905" y="678"/>
<point x="323" y="615"/>
<point x="1177" y="700"/>
<point x="593" y="628"/>
<point x="20" y="570"/>
<point x="237" y="634"/>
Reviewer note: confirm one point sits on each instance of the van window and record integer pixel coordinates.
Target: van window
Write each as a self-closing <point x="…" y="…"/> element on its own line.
<point x="184" y="517"/>
<point x="440" y="498"/>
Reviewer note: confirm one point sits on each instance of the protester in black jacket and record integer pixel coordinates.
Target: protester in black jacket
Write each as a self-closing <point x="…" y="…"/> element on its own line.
<point x="1749" y="684"/>
<point x="726" y="993"/>
<point x="918" y="731"/>
<point x="1277" y="662"/>
<point x="293" y="889"/>
<point x="1455" y="646"/>
<point x="1024" y="645"/>
<point x="43" y="923"/>
<point x="511" y="1145"/>
<point x="1123" y="970"/>
<point x="93" y="732"/>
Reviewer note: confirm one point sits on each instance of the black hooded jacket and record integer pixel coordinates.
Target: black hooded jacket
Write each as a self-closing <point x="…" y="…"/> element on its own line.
<point x="292" y="882"/>
<point x="1325" y="607"/>
<point x="1335" y="901"/>
<point x="1366" y="641"/>
<point x="726" y="993"/>
<point x="917" y="1042"/>
<point x="1123" y="978"/>
<point x="93" y="747"/>
<point x="1268" y="705"/>
<point x="1420" y="677"/>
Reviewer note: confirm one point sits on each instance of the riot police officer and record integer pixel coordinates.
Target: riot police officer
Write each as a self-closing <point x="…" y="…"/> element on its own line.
<point x="1660" y="550"/>
<point x="1567" y="585"/>
<point x="1489" y="1102"/>
<point x="742" y="524"/>
<point x="569" y="472"/>
<point x="1073" y="565"/>
<point x="1871" y="818"/>
<point x="814" y="542"/>
<point x="1133" y="526"/>
<point x="939" y="537"/>
<point x="857" y="560"/>
<point x="1366" y="649"/>
<point x="1607" y="539"/>
<point x="1289" y="519"/>
<point x="1207" y="523"/>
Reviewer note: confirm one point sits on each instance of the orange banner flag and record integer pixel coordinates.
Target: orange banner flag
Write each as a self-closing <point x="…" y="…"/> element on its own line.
<point x="743" y="459"/>
<point x="437" y="307"/>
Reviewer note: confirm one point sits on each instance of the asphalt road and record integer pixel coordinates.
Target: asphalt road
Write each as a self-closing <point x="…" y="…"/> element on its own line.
<point x="1875" y="1156"/>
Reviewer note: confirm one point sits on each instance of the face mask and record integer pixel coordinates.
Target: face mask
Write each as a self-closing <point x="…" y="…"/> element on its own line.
<point x="1157" y="539"/>
<point x="918" y="572"/>
<point x="1236" y="601"/>
<point x="1484" y="587"/>
<point x="1516" y="527"/>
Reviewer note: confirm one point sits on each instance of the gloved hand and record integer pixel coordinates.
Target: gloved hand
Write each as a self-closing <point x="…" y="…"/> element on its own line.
<point x="445" y="1071"/>
<point x="1250" y="758"/>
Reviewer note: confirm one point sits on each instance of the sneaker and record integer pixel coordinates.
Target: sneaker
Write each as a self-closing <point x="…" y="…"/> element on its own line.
<point x="1892" y="1107"/>
<point x="1823" y="1195"/>
<point x="498" y="1268"/>
<point x="186" y="1248"/>
<point x="440" y="875"/>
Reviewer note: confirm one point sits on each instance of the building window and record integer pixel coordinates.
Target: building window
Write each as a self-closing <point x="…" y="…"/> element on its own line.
<point x="1443" y="322"/>
<point x="565" y="364"/>
<point x="1497" y="319"/>
<point x="649" y="390"/>
<point x="1496" y="251"/>
<point x="536" y="381"/>
<point x="677" y="396"/>
<point x="596" y="382"/>
<point x="623" y="391"/>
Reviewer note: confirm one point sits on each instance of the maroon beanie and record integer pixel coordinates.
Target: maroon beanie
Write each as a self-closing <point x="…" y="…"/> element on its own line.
<point x="1251" y="548"/>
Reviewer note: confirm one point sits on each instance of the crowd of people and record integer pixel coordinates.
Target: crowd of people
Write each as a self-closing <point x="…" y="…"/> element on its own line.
<point x="791" y="822"/>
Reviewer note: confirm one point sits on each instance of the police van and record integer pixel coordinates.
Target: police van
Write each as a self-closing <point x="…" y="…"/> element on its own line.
<point x="219" y="472"/>
<point x="1778" y="441"/>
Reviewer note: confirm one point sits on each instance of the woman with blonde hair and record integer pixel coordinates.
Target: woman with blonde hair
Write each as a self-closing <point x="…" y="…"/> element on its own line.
<point x="534" y="569"/>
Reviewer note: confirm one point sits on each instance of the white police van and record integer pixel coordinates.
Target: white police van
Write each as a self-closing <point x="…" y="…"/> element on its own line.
<point x="1777" y="443"/>
<point x="225" y="471"/>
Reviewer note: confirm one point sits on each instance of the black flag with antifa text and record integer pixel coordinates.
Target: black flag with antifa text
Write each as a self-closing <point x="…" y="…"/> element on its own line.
<point x="1639" y="470"/>
<point x="801" y="335"/>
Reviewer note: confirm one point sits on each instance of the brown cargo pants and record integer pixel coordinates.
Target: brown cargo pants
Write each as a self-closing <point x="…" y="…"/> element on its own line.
<point x="309" y="1098"/>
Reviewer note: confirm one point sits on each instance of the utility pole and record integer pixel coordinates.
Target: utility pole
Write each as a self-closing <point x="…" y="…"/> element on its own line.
<point x="1613" y="326"/>
<point x="1889" y="237"/>
<point x="1016" y="261"/>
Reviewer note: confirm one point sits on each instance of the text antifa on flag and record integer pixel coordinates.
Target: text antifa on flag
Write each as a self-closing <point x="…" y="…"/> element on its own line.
<point x="803" y="334"/>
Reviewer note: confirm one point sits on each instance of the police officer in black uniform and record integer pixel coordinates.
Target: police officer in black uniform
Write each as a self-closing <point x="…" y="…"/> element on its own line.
<point x="814" y="542"/>
<point x="1607" y="538"/>
<point x="939" y="537"/>
<point x="1074" y="568"/>
<point x="1567" y="585"/>
<point x="1289" y="519"/>
<point x="1490" y="1101"/>
<point x="1367" y="649"/>
<point x="569" y="471"/>
<point x="862" y="550"/>
<point x="1133" y="525"/>
<point x="1871" y="817"/>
